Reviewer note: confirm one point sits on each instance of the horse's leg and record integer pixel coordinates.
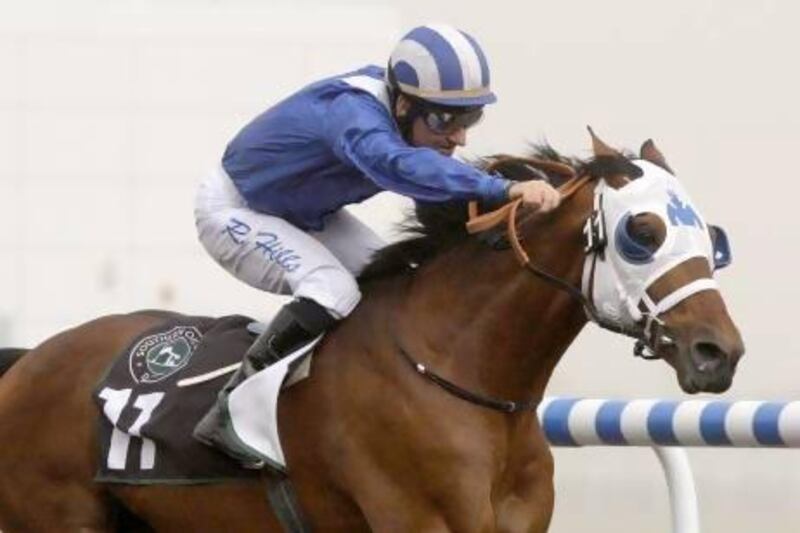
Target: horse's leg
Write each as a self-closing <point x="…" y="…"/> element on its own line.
<point x="527" y="495"/>
<point x="48" y="430"/>
<point x="389" y="509"/>
<point x="520" y="503"/>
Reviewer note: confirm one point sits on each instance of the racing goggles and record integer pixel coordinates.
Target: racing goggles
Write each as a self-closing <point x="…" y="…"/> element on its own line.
<point x="444" y="121"/>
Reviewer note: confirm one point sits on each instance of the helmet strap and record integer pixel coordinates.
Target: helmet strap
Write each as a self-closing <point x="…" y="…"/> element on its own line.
<point x="404" y="123"/>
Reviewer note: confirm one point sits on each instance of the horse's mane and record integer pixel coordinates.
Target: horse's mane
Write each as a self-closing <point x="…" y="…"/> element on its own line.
<point x="436" y="227"/>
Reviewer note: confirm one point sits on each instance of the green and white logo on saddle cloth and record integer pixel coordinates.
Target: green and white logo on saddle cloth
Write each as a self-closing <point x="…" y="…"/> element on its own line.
<point x="158" y="356"/>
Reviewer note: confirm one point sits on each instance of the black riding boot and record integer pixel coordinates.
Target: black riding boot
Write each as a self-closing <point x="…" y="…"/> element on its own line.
<point x="296" y="324"/>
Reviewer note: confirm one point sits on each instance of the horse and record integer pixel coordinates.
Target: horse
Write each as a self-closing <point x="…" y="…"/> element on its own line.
<point x="419" y="414"/>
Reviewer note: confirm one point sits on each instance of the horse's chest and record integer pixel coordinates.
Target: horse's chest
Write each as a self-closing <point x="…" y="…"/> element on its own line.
<point x="523" y="491"/>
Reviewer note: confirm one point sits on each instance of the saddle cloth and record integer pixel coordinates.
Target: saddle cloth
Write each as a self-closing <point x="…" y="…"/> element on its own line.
<point x="157" y="389"/>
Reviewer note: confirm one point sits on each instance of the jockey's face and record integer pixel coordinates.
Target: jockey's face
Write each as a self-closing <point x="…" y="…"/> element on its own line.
<point x="435" y="130"/>
<point x="445" y="143"/>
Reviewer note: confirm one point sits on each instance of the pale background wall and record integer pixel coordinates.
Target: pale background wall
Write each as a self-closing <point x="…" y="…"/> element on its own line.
<point x="111" y="110"/>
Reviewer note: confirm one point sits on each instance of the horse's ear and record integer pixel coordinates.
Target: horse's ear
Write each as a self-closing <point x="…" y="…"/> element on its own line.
<point x="649" y="152"/>
<point x="600" y="148"/>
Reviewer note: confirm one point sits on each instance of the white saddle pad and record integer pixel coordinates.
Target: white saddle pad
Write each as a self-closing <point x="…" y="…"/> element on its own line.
<point x="253" y="405"/>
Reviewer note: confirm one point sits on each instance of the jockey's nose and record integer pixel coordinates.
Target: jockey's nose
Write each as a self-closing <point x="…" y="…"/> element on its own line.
<point x="458" y="137"/>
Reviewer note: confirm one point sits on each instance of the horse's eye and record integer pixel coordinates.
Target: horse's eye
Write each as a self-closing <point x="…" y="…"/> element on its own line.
<point x="646" y="230"/>
<point x="638" y="237"/>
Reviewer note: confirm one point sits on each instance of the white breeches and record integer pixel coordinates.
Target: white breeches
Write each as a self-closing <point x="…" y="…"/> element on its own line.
<point x="271" y="254"/>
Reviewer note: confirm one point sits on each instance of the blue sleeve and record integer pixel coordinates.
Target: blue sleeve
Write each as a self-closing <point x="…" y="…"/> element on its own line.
<point x="361" y="132"/>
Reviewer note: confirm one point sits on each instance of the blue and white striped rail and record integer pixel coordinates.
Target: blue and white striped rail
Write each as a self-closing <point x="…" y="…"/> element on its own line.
<point x="667" y="426"/>
<point x="741" y="424"/>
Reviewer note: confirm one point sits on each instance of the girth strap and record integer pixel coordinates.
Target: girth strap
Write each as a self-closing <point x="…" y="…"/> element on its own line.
<point x="283" y="500"/>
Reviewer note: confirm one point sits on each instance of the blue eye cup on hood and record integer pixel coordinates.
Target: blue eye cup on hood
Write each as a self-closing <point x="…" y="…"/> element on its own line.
<point x="628" y="248"/>
<point x="721" y="246"/>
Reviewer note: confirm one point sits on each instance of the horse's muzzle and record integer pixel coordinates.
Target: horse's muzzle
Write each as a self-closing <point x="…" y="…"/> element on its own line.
<point x="710" y="363"/>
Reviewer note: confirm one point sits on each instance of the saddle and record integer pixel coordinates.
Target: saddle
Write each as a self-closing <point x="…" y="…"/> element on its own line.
<point x="157" y="389"/>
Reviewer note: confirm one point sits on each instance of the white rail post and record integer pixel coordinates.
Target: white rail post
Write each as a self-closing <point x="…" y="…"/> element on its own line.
<point x="682" y="493"/>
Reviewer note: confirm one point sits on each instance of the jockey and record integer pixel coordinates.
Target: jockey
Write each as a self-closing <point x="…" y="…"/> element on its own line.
<point x="272" y="214"/>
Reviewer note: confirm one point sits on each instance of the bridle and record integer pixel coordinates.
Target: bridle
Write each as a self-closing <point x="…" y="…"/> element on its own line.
<point x="650" y="336"/>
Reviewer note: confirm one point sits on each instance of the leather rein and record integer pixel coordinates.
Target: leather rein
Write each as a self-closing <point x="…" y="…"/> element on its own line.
<point x="508" y="214"/>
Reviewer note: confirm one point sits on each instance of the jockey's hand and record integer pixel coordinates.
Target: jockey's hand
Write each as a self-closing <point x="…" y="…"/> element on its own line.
<point x="539" y="195"/>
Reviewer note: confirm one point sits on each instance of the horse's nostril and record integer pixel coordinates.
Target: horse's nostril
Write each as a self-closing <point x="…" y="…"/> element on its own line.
<point x="707" y="356"/>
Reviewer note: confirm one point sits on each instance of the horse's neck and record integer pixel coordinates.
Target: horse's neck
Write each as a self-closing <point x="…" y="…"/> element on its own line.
<point x="478" y="317"/>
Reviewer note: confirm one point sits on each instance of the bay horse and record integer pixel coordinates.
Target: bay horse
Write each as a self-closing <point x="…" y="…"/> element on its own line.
<point x="371" y="444"/>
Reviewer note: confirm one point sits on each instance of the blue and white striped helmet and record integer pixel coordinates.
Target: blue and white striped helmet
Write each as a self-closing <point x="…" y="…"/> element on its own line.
<point x="441" y="64"/>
